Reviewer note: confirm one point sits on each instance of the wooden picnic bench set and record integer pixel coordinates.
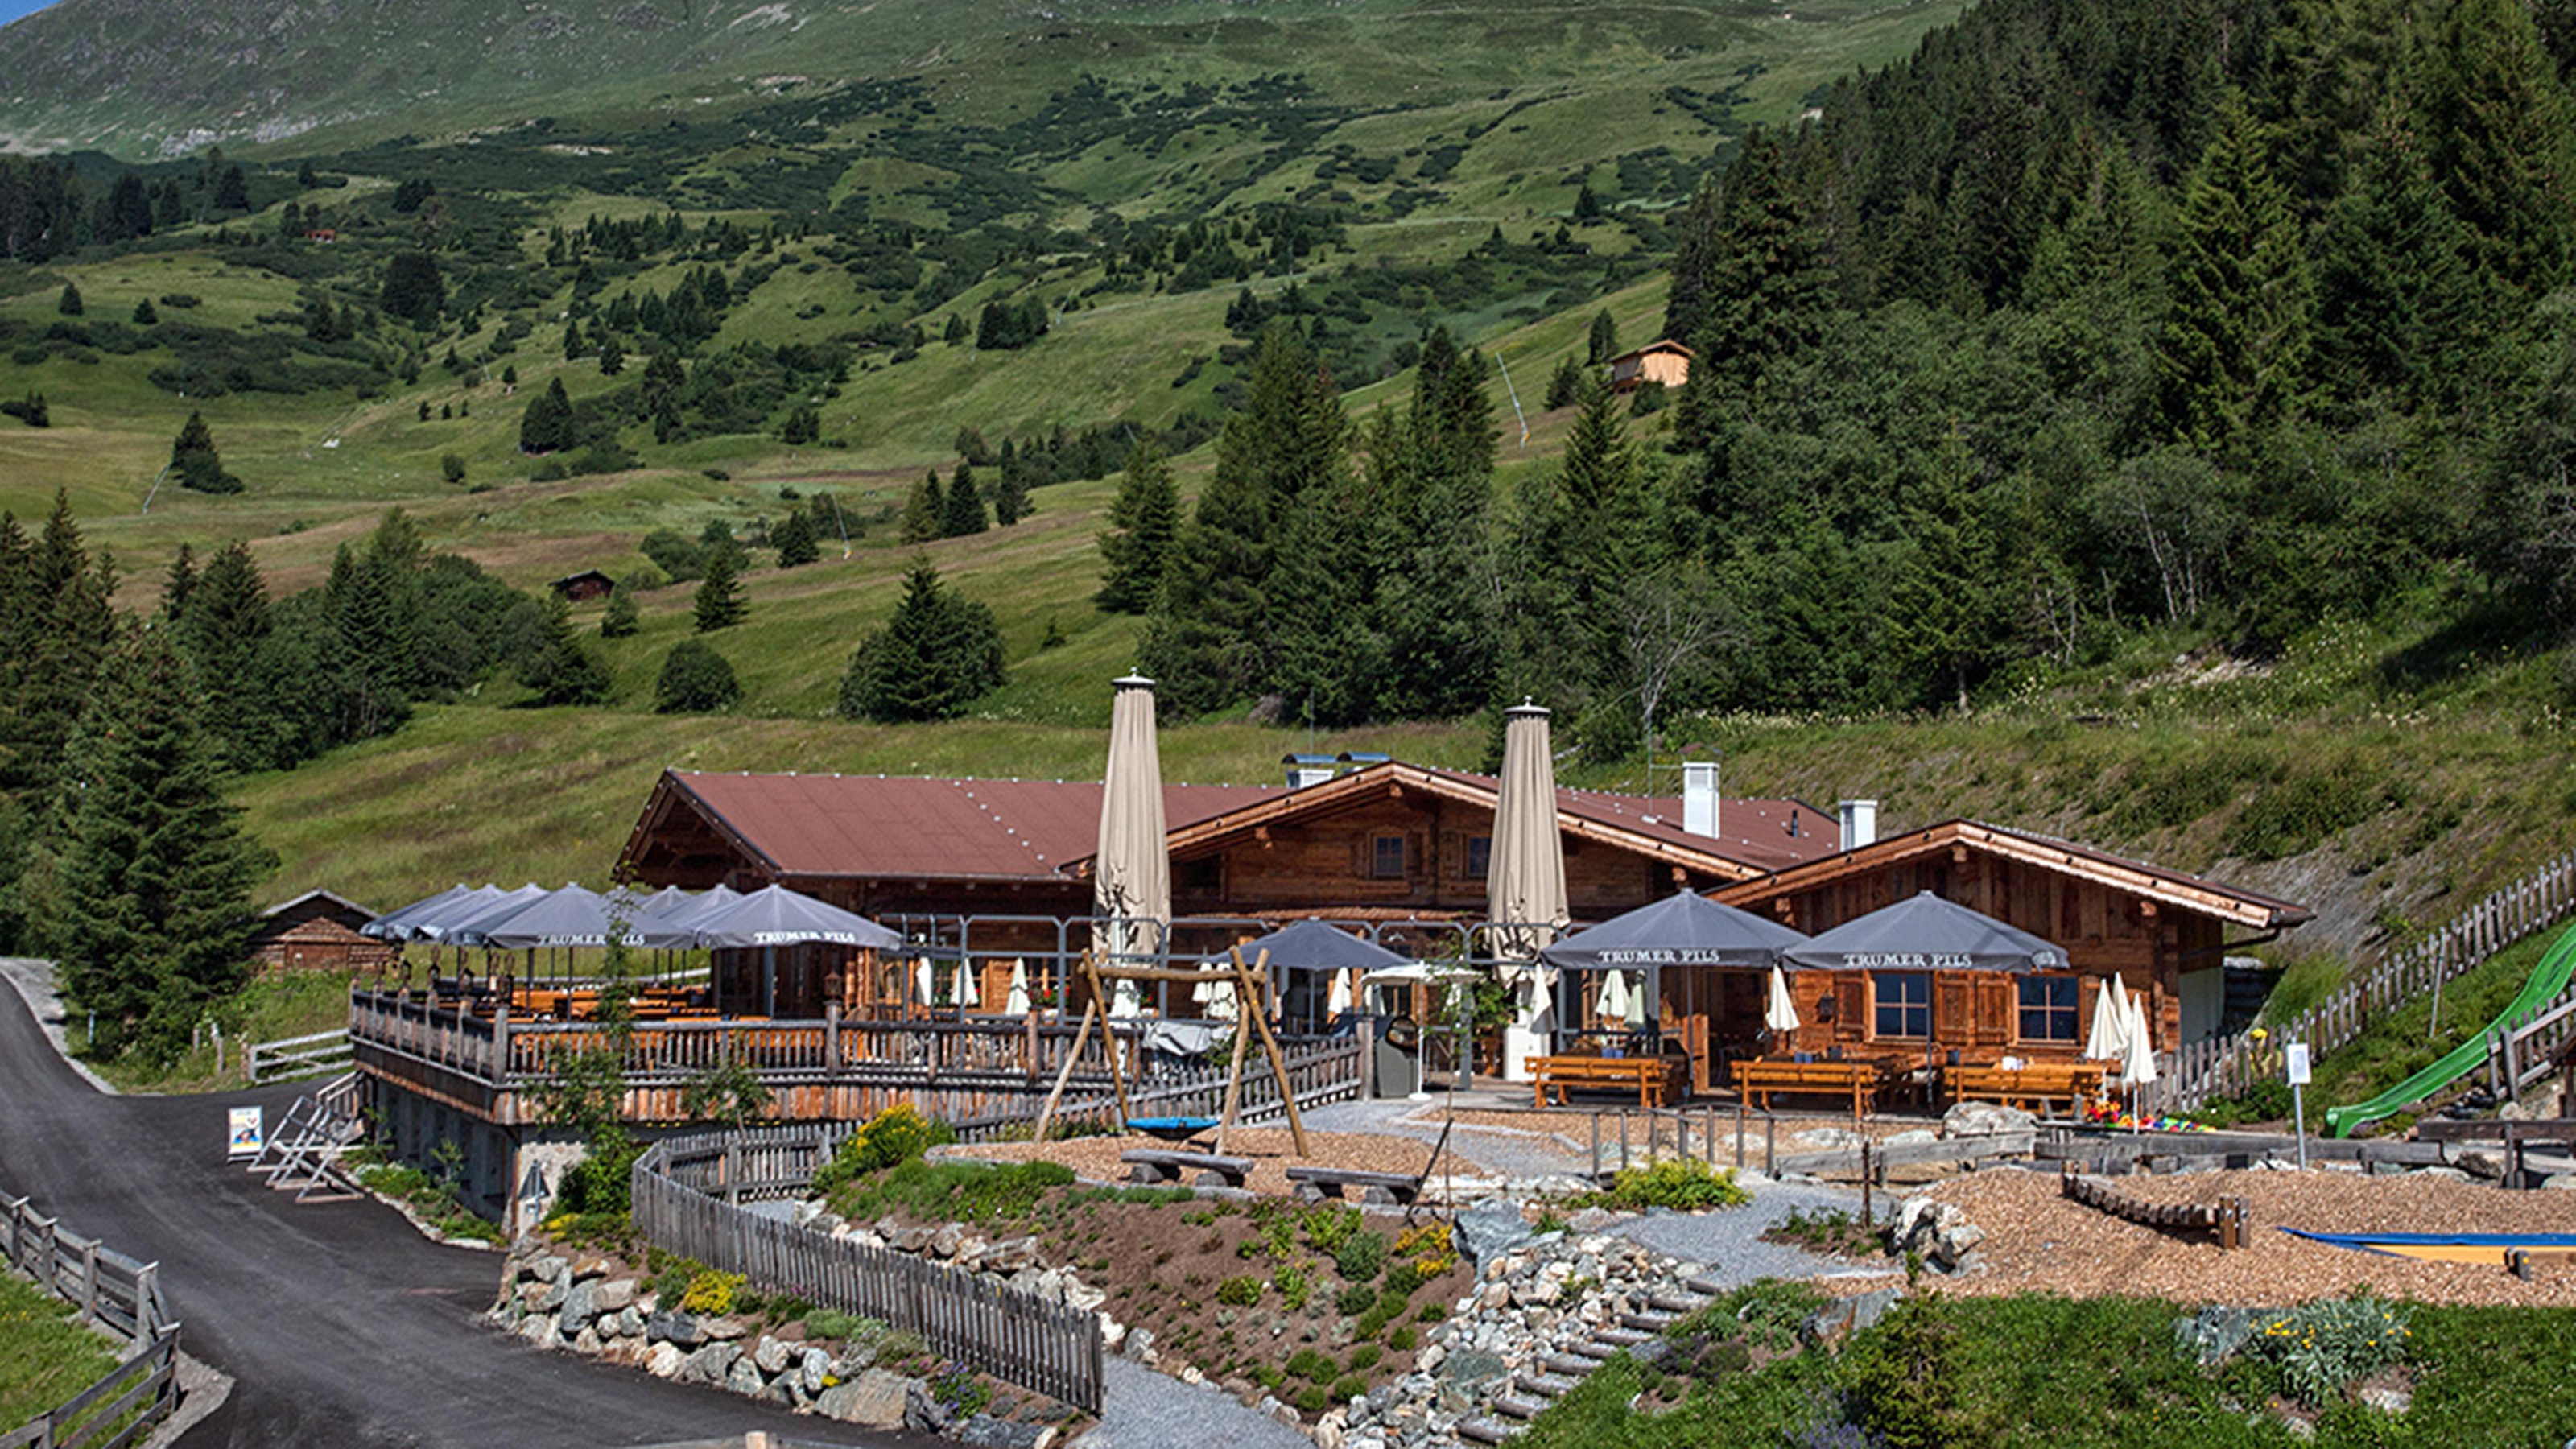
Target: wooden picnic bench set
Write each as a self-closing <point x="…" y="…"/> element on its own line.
<point x="1864" y="1079"/>
<point x="1175" y="1166"/>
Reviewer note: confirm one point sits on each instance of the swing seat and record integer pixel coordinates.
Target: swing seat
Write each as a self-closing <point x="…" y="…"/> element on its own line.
<point x="1171" y="1129"/>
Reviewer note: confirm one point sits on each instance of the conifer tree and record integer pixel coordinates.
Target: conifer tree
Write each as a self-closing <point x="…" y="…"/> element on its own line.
<point x="547" y="424"/>
<point x="795" y="540"/>
<point x="925" y="511"/>
<point x="2504" y="146"/>
<point x="1010" y="496"/>
<point x="962" y="511"/>
<point x="1602" y="343"/>
<point x="612" y="358"/>
<point x="695" y="679"/>
<point x="194" y="459"/>
<point x="221" y="631"/>
<point x="935" y="656"/>
<point x="1766" y="298"/>
<point x="145" y="314"/>
<point x="155" y="875"/>
<point x="559" y="666"/>
<point x="2234" y="352"/>
<point x="619" y="620"/>
<point x="69" y="303"/>
<point x="574" y="346"/>
<point x="2397" y="300"/>
<point x="1949" y="591"/>
<point x="1566" y="383"/>
<point x="181" y="580"/>
<point x="1143" y="519"/>
<point x="719" y="603"/>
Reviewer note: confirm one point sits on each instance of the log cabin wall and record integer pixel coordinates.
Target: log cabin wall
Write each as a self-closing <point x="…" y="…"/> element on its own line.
<point x="2103" y="931"/>
<point x="1334" y="861"/>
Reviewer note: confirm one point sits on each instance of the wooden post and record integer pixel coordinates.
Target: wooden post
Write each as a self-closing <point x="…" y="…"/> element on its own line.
<point x="1234" y="1081"/>
<point x="1108" y="1039"/>
<point x="1270" y="1045"/>
<point x="1073" y="1053"/>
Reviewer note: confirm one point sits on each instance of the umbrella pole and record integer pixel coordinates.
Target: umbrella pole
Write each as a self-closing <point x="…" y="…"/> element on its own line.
<point x="1270" y="1046"/>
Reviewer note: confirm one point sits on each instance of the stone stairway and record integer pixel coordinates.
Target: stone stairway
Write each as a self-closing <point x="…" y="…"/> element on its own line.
<point x="1561" y="1369"/>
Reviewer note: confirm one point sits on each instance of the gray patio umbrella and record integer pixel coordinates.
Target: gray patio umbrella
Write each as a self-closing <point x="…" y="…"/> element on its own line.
<point x="777" y="916"/>
<point x="686" y="914"/>
<point x="663" y="902"/>
<point x="1314" y="946"/>
<point x="1927" y="933"/>
<point x="1131" y="881"/>
<point x="1680" y="930"/>
<point x="1525" y="879"/>
<point x="574" y="918"/>
<point x="396" y="925"/>
<point x="462" y="915"/>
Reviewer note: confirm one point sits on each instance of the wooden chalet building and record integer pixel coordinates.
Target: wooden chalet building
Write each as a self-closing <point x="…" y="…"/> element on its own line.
<point x="318" y="931"/>
<point x="2164" y="933"/>
<point x="1665" y="364"/>
<point x="586" y="585"/>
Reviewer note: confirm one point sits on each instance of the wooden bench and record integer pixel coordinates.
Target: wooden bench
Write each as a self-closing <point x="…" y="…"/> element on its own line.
<point x="1164" y="1164"/>
<point x="1655" y="1078"/>
<point x="1314" y="1184"/>
<point x="2034" y="1083"/>
<point x="1861" y="1079"/>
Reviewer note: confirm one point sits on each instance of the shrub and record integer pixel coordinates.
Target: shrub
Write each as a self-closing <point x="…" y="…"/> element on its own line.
<point x="1314" y="1399"/>
<point x="1401" y="1340"/>
<point x="1356" y="1300"/>
<point x="1349" y="1387"/>
<point x="451" y="467"/>
<point x="1680" y="1183"/>
<point x="695" y="679"/>
<point x="2324" y="1346"/>
<point x="1331" y="1225"/>
<point x="1365" y="1357"/>
<point x="1293" y="1286"/>
<point x="1770" y="1310"/>
<point x="849" y="1328"/>
<point x="1312" y="1365"/>
<point x="1361" y="1257"/>
<point x="711" y="1292"/>
<point x="1241" y="1292"/>
<point x="1401" y="1280"/>
<point x="1904" y="1374"/>
<point x="1429" y="1248"/>
<point x="894" y="1136"/>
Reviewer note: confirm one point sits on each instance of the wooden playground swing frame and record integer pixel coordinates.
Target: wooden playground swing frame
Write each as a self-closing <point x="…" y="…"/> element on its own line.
<point x="1252" y="1003"/>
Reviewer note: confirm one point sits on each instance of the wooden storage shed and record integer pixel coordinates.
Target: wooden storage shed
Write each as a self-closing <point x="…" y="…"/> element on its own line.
<point x="1665" y="364"/>
<point x="318" y="931"/>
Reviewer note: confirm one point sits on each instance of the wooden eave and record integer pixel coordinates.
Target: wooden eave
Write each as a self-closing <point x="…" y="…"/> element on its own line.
<point x="2171" y="888"/>
<point x="1358" y="787"/>
<point x="670" y="794"/>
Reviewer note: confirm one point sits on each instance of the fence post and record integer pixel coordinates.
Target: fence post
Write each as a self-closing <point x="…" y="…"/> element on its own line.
<point x="89" y="1287"/>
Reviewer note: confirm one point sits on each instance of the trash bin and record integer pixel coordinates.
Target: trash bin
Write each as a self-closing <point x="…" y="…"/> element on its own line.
<point x="1398" y="1060"/>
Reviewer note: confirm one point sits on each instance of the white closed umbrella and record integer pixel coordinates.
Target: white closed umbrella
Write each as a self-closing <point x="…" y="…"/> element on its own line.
<point x="1780" y="1013"/>
<point x="1125" y="999"/>
<point x="962" y="993"/>
<point x="2109" y="1036"/>
<point x="1018" y="1002"/>
<point x="2138" y="1062"/>
<point x="1525" y="883"/>
<point x="1217" y="997"/>
<point x="1613" y="1002"/>
<point x="926" y="982"/>
<point x="1339" y="1000"/>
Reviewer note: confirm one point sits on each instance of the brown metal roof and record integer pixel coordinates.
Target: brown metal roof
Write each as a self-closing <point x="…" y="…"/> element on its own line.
<point x="925" y="829"/>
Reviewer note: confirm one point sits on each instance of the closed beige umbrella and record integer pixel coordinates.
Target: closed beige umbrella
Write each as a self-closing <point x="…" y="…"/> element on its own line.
<point x="1525" y="881"/>
<point x="1131" y="883"/>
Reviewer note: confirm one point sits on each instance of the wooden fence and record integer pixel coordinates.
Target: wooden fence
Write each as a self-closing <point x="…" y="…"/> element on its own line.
<point x="688" y="1194"/>
<point x="297" y="1056"/>
<point x="118" y="1295"/>
<point x="2227" y="1067"/>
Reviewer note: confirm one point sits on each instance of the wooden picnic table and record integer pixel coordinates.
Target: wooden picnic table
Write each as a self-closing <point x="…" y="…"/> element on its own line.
<point x="1655" y="1078"/>
<point x="2034" y="1083"/>
<point x="1862" y="1078"/>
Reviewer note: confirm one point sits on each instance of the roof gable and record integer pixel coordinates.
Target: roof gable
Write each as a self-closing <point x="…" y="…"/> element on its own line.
<point x="2178" y="889"/>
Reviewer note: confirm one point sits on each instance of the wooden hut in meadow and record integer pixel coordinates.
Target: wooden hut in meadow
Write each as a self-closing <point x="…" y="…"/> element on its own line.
<point x="318" y="931"/>
<point x="584" y="586"/>
<point x="1664" y="364"/>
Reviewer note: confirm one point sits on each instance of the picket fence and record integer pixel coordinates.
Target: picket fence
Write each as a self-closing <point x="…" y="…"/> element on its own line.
<point x="2226" y="1067"/>
<point x="117" y="1294"/>
<point x="688" y="1196"/>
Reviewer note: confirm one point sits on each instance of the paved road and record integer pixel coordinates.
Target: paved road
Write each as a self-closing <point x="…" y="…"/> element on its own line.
<point x="339" y="1324"/>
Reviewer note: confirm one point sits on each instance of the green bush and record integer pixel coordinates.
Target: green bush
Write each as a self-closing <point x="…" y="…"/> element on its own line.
<point x="1329" y="1226"/>
<point x="1356" y="1300"/>
<point x="1904" y="1375"/>
<point x="1401" y="1340"/>
<point x="2324" y="1346"/>
<point x="1361" y="1257"/>
<point x="1349" y="1387"/>
<point x="1312" y="1365"/>
<point x="711" y="1292"/>
<point x="1364" y="1357"/>
<point x="1293" y="1286"/>
<point x="1401" y="1280"/>
<point x="1314" y="1399"/>
<point x="1680" y="1183"/>
<point x="1240" y="1292"/>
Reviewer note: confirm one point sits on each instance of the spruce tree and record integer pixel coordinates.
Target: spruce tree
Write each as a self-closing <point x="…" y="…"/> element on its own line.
<point x="221" y="630"/>
<point x="194" y="459"/>
<point x="962" y="511"/>
<point x="156" y="875"/>
<point x="1010" y="496"/>
<point x="69" y="303"/>
<point x="1950" y="589"/>
<point x="2506" y="145"/>
<point x="925" y="510"/>
<point x="719" y="603"/>
<point x="935" y="656"/>
<point x="574" y="347"/>
<point x="796" y="542"/>
<point x="2234" y="352"/>
<point x="2398" y="305"/>
<point x="1143" y="520"/>
<point x="620" y="619"/>
<point x="558" y="665"/>
<point x="612" y="358"/>
<point x="695" y="679"/>
<point x="1566" y="383"/>
<point x="145" y="314"/>
<point x="1766" y="300"/>
<point x="1602" y="343"/>
<point x="547" y="424"/>
<point x="181" y="580"/>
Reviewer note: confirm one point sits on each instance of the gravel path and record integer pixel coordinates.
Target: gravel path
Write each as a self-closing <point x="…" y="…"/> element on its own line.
<point x="1730" y="1245"/>
<point x="1504" y="1153"/>
<point x="1148" y="1410"/>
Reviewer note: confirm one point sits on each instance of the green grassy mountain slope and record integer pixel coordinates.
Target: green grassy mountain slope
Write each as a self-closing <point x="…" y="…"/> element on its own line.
<point x="141" y="77"/>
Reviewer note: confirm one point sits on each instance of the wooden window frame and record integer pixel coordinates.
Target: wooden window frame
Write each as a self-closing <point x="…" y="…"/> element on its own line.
<point x="1479" y="845"/>
<point x="2073" y="1010"/>
<point x="1902" y="1007"/>
<point x="1377" y="857"/>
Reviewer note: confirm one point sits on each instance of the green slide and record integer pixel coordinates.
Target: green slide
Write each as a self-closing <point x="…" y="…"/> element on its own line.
<point x="2547" y="980"/>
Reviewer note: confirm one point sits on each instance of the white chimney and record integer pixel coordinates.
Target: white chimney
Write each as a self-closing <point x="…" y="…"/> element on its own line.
<point x="1699" y="797"/>
<point x="1860" y="822"/>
